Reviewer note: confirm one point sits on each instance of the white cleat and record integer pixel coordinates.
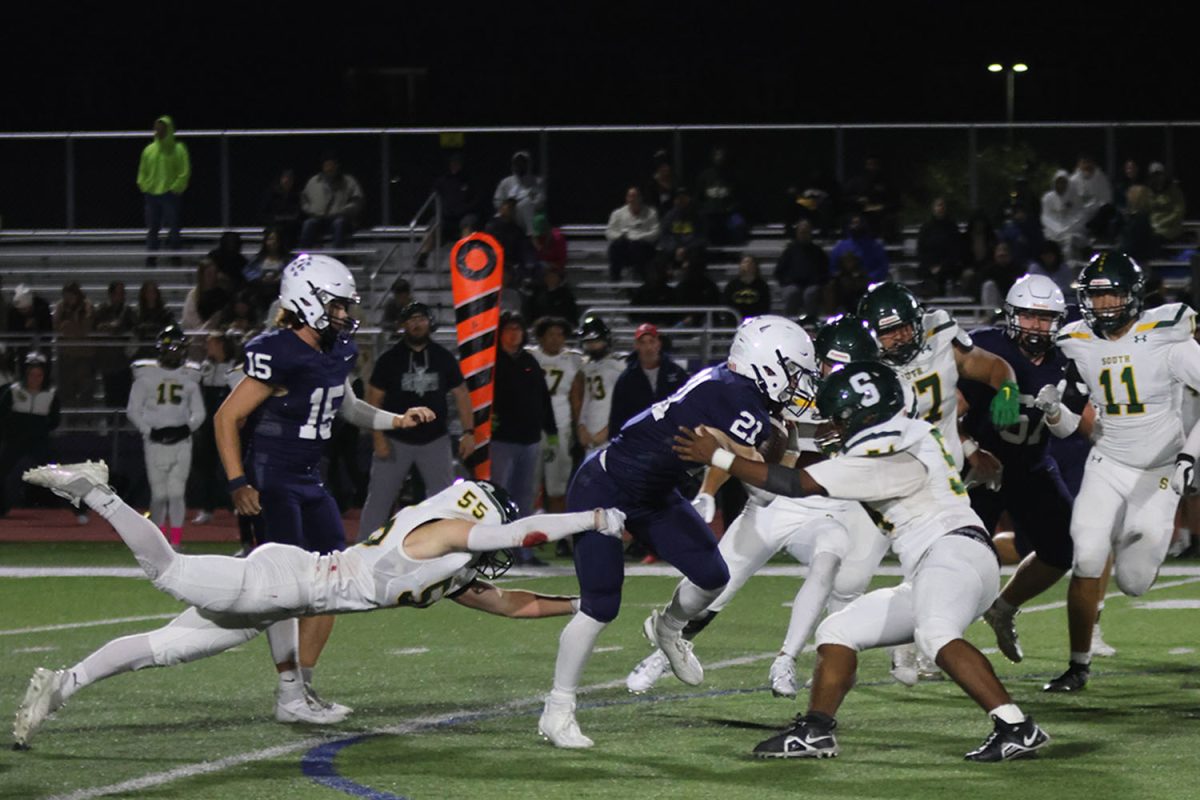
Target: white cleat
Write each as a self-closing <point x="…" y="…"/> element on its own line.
<point x="648" y="672"/>
<point x="1100" y="647"/>
<point x="904" y="664"/>
<point x="336" y="710"/>
<point x="1005" y="627"/>
<point x="69" y="481"/>
<point x="558" y="726"/>
<point x="304" y="709"/>
<point x="783" y="676"/>
<point x="678" y="650"/>
<point x="202" y="518"/>
<point x="42" y="698"/>
<point x="927" y="668"/>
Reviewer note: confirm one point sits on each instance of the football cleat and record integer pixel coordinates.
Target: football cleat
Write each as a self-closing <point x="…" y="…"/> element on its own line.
<point x="69" y="481"/>
<point x="1074" y="679"/>
<point x="42" y="698"/>
<point x="678" y="650"/>
<point x="648" y="672"/>
<point x="806" y="739"/>
<point x="1005" y="627"/>
<point x="558" y="726"/>
<point x="304" y="709"/>
<point x="904" y="664"/>
<point x="783" y="676"/>
<point x="1100" y="647"/>
<point x="1007" y="742"/>
<point x="335" y="709"/>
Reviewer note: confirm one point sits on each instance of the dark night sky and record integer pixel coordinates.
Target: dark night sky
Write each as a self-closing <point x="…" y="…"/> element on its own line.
<point x="586" y="62"/>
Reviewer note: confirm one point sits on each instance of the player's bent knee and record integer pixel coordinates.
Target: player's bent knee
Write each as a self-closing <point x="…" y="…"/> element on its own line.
<point x="603" y="608"/>
<point x="834" y="540"/>
<point x="712" y="577"/>
<point x="1090" y="560"/>
<point x="1135" y="581"/>
<point x="930" y="639"/>
<point x="833" y="631"/>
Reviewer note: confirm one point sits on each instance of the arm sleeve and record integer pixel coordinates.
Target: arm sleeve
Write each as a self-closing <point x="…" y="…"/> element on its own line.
<point x="362" y="414"/>
<point x="869" y="478"/>
<point x="196" y="412"/>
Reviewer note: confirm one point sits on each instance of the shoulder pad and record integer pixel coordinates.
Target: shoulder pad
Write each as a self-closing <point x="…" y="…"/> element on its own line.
<point x="267" y="341"/>
<point x="1175" y="322"/>
<point x="878" y="440"/>
<point x="1077" y="330"/>
<point x="143" y="363"/>
<point x="936" y="320"/>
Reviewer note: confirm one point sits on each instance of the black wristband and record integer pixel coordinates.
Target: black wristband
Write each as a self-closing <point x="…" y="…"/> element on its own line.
<point x="237" y="483"/>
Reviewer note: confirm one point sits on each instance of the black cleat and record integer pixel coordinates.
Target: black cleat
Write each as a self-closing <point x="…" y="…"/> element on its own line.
<point x="1074" y="679"/>
<point x="1007" y="742"/>
<point x="808" y="738"/>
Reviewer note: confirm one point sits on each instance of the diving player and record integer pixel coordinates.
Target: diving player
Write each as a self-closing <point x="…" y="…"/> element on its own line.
<point x="440" y="548"/>
<point x="1135" y="363"/>
<point x="166" y="407"/>
<point x="838" y="542"/>
<point x="770" y="364"/>
<point x="902" y="469"/>
<point x="592" y="390"/>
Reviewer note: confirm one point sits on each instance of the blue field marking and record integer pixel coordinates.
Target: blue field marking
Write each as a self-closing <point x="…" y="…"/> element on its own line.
<point x="317" y="765"/>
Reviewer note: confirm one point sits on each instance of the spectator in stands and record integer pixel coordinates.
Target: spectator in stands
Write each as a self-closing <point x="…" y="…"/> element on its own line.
<point x="860" y="238"/>
<point x="29" y="314"/>
<point x="999" y="276"/>
<point x="548" y="243"/>
<point x="231" y="264"/>
<point x="721" y="205"/>
<point x="802" y="272"/>
<point x="659" y="192"/>
<point x="511" y="237"/>
<point x="632" y="232"/>
<point x="279" y="208"/>
<point x="695" y="288"/>
<point x="521" y="412"/>
<point x="649" y="376"/>
<point x="655" y="291"/>
<point x="1131" y="175"/>
<point x="552" y="297"/>
<point x="1166" y="204"/>
<point x="939" y="249"/>
<point x="163" y="174"/>
<point x="206" y="298"/>
<point x="812" y="201"/>
<point x="73" y="321"/>
<point x="29" y="411"/>
<point x="524" y="189"/>
<point x="1095" y="195"/>
<point x="871" y="195"/>
<point x="151" y="317"/>
<point x="263" y="272"/>
<point x="332" y="202"/>
<point x="513" y="296"/>
<point x="850" y="282"/>
<point x="459" y="197"/>
<point x="1137" y="234"/>
<point x="980" y="243"/>
<point x="240" y="316"/>
<point x="682" y="231"/>
<point x="747" y="291"/>
<point x="114" y="322"/>
<point x="1022" y="232"/>
<point x="391" y="316"/>
<point x="1049" y="262"/>
<point x="1062" y="215"/>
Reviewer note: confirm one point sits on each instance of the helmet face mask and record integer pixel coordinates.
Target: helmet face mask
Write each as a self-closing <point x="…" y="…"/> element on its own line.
<point x="171" y="346"/>
<point x="1117" y="281"/>
<point x="777" y="355"/>
<point x="491" y="565"/>
<point x="1034" y="311"/>
<point x="895" y="315"/>
<point x="595" y="337"/>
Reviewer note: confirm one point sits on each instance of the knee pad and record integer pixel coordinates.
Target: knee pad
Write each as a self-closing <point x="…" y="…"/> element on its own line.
<point x="1090" y="558"/>
<point x="602" y="608"/>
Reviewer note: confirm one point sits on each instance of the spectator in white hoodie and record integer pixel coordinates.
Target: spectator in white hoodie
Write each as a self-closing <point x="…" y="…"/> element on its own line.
<point x="1062" y="217"/>
<point x="1095" y="194"/>
<point x="632" y="233"/>
<point x="524" y="188"/>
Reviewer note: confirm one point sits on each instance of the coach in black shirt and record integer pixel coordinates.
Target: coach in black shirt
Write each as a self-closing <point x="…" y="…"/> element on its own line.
<point x="416" y="372"/>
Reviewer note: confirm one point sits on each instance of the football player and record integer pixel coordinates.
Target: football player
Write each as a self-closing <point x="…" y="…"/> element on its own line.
<point x="770" y="363"/>
<point x="903" y="470"/>
<point x="440" y="548"/>
<point x="166" y="407"/>
<point x="1031" y="489"/>
<point x="836" y="539"/>
<point x="592" y="390"/>
<point x="560" y="364"/>
<point x="1135" y="364"/>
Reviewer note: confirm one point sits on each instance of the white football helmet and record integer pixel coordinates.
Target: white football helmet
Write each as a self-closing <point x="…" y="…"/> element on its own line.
<point x="310" y="283"/>
<point x="1034" y="296"/>
<point x="779" y="357"/>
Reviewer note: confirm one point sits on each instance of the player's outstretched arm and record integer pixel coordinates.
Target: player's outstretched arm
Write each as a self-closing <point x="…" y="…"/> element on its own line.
<point x="978" y="364"/>
<point x="361" y="414"/>
<point x="703" y="448"/>
<point x="435" y="539"/>
<point x="515" y="603"/>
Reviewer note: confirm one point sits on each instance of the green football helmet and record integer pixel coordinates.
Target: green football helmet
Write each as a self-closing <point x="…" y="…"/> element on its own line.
<point x="1108" y="273"/>
<point x="859" y="395"/>
<point x="889" y="307"/>
<point x="844" y="339"/>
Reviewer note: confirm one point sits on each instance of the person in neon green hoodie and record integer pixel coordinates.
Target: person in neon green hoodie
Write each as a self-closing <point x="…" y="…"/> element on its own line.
<point x="163" y="175"/>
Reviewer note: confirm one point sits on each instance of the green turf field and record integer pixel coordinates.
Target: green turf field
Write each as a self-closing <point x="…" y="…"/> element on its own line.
<point x="447" y="700"/>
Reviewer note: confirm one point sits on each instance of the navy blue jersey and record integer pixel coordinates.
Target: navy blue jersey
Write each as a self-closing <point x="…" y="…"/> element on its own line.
<point x="640" y="458"/>
<point x="291" y="426"/>
<point x="1023" y="445"/>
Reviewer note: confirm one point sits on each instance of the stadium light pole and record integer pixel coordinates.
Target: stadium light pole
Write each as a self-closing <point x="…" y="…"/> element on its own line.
<point x="1010" y="90"/>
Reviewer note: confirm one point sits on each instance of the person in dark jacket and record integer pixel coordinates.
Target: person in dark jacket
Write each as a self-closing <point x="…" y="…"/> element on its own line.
<point x="802" y="272"/>
<point x="648" y="378"/>
<point x="552" y="297"/>
<point x="748" y="292"/>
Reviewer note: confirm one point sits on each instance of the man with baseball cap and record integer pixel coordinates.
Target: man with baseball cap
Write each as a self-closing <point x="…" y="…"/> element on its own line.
<point x="648" y="378"/>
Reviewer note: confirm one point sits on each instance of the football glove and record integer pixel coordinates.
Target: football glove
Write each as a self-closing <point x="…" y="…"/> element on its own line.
<point x="706" y="506"/>
<point x="1048" y="400"/>
<point x="1185" y="471"/>
<point x="1006" y="405"/>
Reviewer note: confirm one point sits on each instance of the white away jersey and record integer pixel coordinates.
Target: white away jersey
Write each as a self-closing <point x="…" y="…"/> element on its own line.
<point x="1136" y="382"/>
<point x="376" y="573"/>
<point x="599" y="380"/>
<point x="165" y="398"/>
<point x="933" y="377"/>
<point x="560" y="370"/>
<point x="903" y="472"/>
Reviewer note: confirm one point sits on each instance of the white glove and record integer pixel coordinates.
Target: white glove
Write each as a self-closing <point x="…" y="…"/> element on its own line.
<point x="610" y="522"/>
<point x="706" y="506"/>
<point x="1049" y="400"/>
<point x="1185" y="469"/>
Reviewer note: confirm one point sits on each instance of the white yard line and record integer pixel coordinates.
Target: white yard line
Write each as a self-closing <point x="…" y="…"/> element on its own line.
<point x="66" y="626"/>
